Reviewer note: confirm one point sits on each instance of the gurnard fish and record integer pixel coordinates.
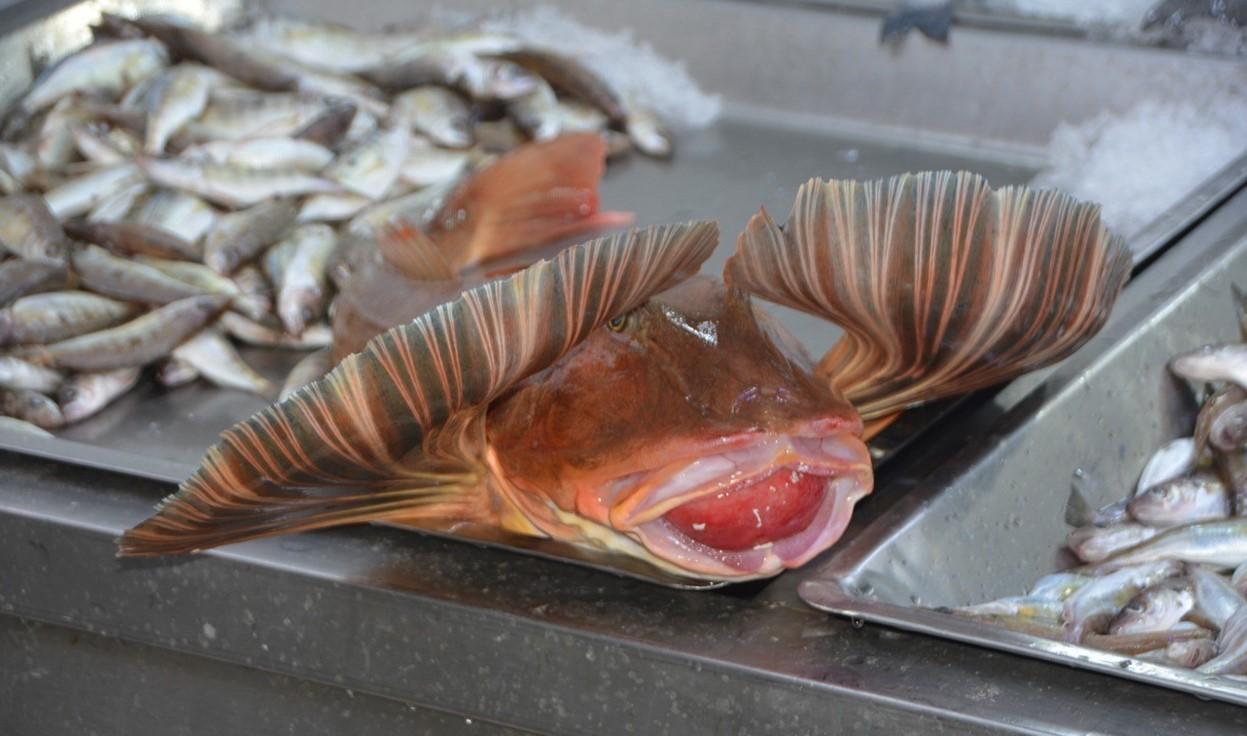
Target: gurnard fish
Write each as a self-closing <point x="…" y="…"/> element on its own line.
<point x="610" y="399"/>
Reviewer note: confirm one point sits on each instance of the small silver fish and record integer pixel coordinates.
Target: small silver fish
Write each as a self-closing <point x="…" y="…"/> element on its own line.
<point x="101" y="145"/>
<point x="1157" y="608"/>
<point x="1221" y="544"/>
<point x="257" y="299"/>
<point x="436" y="112"/>
<point x="1215" y="599"/>
<point x="1190" y="653"/>
<point x="19" y="277"/>
<point x="81" y="194"/>
<point x="237" y="238"/>
<point x="58" y="315"/>
<point x="457" y="68"/>
<point x="20" y="426"/>
<point x="182" y="214"/>
<point x="331" y="207"/>
<point x="107" y="67"/>
<point x="647" y="131"/>
<point x="242" y="113"/>
<point x="174" y="373"/>
<point x="1228" y="430"/>
<point x="263" y="153"/>
<point x="418" y="208"/>
<point x="312" y="367"/>
<point x="1096" y="543"/>
<point x="117" y="206"/>
<point x="1043" y="609"/>
<point x="1213" y="363"/>
<point x="137" y="342"/>
<point x="178" y="96"/>
<point x="1078" y="511"/>
<point x="200" y="277"/>
<point x="315" y="336"/>
<point x="87" y="393"/>
<point x="20" y="375"/>
<point x="303" y="290"/>
<point x="132" y="238"/>
<point x="1175" y="459"/>
<point x="1058" y="586"/>
<point x="213" y="357"/>
<point x="231" y="186"/>
<point x="1185" y="500"/>
<point x="1093" y="607"/>
<point x="1231" y="656"/>
<point x="33" y="407"/>
<point x="55" y="146"/>
<point x="324" y="45"/>
<point x="371" y="166"/>
<point x="29" y="230"/>
<point x="104" y="273"/>
<point x="428" y="166"/>
<point x="537" y="113"/>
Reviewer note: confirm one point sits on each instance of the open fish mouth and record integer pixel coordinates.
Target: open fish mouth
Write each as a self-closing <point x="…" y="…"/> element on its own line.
<point x="750" y="511"/>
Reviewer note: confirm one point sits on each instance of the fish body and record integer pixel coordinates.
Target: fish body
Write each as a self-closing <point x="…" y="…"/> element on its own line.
<point x="233" y="114"/>
<point x="20" y="375"/>
<point x="1231" y="656"/>
<point x="136" y="343"/>
<point x="608" y="399"/>
<point x="108" y="68"/>
<point x="572" y="79"/>
<point x="324" y="45"/>
<point x="185" y="216"/>
<point x="29" y="230"/>
<point x="213" y="357"/>
<point x="199" y="277"/>
<point x="58" y="315"/>
<point x="1215" y="599"/>
<point x="458" y="68"/>
<point x="21" y="426"/>
<point x="371" y="166"/>
<point x="647" y="132"/>
<point x="312" y="367"/>
<point x="537" y="113"/>
<point x="1175" y="459"/>
<point x="116" y="207"/>
<point x="174" y="373"/>
<point x="1155" y="609"/>
<point x="19" y="277"/>
<point x="1044" y="609"/>
<point x="1058" y="586"/>
<point x="1190" y="653"/>
<point x="1093" y="607"/>
<point x="436" y="112"/>
<point x="87" y="393"/>
<point x="126" y="279"/>
<point x="331" y="207"/>
<point x="101" y="146"/>
<point x="1221" y="544"/>
<point x="427" y="166"/>
<point x="232" y="186"/>
<point x="31" y="406"/>
<point x="1096" y="543"/>
<point x="291" y="154"/>
<point x="1214" y="363"/>
<point x="303" y="287"/>
<point x="132" y="238"/>
<point x="237" y="238"/>
<point x="253" y="333"/>
<point x="80" y="195"/>
<point x="179" y="96"/>
<point x="1183" y="500"/>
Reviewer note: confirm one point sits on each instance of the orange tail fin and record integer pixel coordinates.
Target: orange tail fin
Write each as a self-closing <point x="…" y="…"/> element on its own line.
<point x="535" y="195"/>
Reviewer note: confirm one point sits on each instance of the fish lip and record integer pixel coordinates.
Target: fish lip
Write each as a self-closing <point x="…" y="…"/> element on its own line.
<point x="736" y="461"/>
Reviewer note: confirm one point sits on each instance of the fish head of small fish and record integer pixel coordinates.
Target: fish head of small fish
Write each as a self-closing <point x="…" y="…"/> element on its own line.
<point x="690" y="432"/>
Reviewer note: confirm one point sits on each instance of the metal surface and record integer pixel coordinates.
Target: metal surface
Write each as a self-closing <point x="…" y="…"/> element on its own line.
<point x="990" y="523"/>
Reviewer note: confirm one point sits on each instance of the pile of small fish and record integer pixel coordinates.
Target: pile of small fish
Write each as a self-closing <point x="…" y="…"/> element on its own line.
<point x="167" y="188"/>
<point x="1165" y="573"/>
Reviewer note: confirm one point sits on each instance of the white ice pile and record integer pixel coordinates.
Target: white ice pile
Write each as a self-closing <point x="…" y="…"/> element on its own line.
<point x="632" y="67"/>
<point x="1139" y="163"/>
<point x="1083" y="12"/>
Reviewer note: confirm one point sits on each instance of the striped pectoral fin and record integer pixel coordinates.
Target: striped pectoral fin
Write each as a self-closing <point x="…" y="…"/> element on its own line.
<point x="385" y="430"/>
<point x="942" y="285"/>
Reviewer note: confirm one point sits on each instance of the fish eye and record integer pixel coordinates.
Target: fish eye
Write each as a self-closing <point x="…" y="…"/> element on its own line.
<point x="617" y="324"/>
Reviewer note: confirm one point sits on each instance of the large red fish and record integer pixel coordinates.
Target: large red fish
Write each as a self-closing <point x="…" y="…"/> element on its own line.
<point x="611" y="399"/>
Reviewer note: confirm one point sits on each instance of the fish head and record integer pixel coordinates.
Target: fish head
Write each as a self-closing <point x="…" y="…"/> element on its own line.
<point x="690" y="432"/>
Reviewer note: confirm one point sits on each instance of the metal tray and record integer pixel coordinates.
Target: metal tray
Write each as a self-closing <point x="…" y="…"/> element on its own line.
<point x="859" y="112"/>
<point x="989" y="522"/>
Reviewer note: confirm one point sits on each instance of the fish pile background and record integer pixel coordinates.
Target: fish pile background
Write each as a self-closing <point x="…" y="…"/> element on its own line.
<point x="1164" y="574"/>
<point x="169" y="191"/>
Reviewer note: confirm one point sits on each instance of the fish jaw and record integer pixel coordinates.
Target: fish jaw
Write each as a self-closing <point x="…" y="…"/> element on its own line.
<point x="738" y="483"/>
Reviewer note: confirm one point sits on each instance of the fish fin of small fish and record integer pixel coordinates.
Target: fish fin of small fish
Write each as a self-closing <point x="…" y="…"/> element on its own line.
<point x="535" y="195"/>
<point x="368" y="426"/>
<point x="1078" y="511"/>
<point x="413" y="253"/>
<point x="942" y="285"/>
<point x="933" y="21"/>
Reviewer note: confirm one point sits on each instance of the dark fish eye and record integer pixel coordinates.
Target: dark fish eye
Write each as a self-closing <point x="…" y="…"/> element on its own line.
<point x="617" y="324"/>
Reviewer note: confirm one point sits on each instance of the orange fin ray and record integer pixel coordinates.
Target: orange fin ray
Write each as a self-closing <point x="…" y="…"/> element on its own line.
<point x="942" y="285"/>
<point x="391" y="417"/>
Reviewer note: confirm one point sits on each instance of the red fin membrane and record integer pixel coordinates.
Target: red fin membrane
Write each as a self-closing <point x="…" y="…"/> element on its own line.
<point x="535" y="195"/>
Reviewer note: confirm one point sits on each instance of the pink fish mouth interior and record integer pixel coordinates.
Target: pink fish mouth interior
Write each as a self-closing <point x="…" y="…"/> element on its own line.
<point x="750" y="511"/>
